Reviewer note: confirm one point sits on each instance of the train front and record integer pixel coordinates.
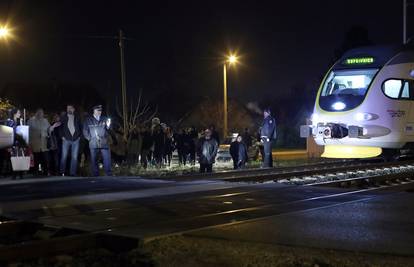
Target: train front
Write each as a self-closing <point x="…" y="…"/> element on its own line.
<point x="350" y="118"/>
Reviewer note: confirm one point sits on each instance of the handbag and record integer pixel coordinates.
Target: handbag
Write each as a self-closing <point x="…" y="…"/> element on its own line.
<point x="20" y="163"/>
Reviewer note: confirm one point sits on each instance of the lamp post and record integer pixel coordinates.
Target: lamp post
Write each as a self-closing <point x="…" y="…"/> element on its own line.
<point x="232" y="59"/>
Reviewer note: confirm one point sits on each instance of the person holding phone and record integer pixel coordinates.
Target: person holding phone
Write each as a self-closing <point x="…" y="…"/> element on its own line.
<point x="96" y="131"/>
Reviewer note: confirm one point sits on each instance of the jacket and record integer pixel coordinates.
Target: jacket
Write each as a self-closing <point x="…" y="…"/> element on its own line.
<point x="238" y="151"/>
<point x="38" y="132"/>
<point x="268" y="129"/>
<point x="64" y="129"/>
<point x="207" y="150"/>
<point x="96" y="132"/>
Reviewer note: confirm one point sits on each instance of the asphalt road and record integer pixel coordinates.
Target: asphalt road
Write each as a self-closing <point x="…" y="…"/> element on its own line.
<point x="366" y="221"/>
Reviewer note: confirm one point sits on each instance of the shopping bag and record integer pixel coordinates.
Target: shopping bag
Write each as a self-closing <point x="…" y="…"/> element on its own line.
<point x="20" y="163"/>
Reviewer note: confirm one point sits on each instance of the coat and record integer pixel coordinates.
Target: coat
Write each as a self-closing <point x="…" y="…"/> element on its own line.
<point x="238" y="151"/>
<point x="268" y="129"/>
<point x="96" y="132"/>
<point x="38" y="134"/>
<point x="64" y="129"/>
<point x="207" y="150"/>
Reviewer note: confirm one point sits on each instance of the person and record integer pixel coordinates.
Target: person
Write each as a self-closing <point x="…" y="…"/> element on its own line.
<point x="191" y="141"/>
<point x="169" y="146"/>
<point x="214" y="134"/>
<point x="54" y="146"/>
<point x="259" y="143"/>
<point x="134" y="146"/>
<point x="182" y="147"/>
<point x="238" y="152"/>
<point x="267" y="135"/>
<point x="19" y="143"/>
<point x="118" y="146"/>
<point x="247" y="138"/>
<point x="39" y="130"/>
<point x="207" y="151"/>
<point x="70" y="132"/>
<point x="158" y="138"/>
<point x="147" y="142"/>
<point x="95" y="130"/>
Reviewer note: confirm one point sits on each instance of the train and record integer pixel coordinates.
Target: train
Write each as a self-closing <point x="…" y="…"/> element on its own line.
<point x="364" y="107"/>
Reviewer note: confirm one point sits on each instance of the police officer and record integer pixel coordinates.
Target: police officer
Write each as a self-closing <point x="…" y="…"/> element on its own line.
<point x="96" y="131"/>
<point x="267" y="135"/>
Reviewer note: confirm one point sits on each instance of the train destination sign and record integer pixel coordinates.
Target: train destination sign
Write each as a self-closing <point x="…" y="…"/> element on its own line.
<point x="359" y="61"/>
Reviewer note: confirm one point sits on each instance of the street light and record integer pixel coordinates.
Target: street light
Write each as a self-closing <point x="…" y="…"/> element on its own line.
<point x="231" y="59"/>
<point x="4" y="32"/>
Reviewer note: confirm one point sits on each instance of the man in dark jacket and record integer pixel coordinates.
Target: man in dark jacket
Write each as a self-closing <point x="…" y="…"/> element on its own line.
<point x="267" y="135"/>
<point x="247" y="138"/>
<point x="238" y="152"/>
<point x="95" y="130"/>
<point x="207" y="151"/>
<point x="215" y="134"/>
<point x="181" y="146"/>
<point x="70" y="131"/>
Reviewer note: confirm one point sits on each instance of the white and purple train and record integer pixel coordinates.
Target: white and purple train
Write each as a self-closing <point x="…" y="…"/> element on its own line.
<point x="365" y="104"/>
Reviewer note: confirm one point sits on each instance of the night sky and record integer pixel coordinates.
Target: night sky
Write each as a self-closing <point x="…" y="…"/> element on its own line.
<point x="177" y="47"/>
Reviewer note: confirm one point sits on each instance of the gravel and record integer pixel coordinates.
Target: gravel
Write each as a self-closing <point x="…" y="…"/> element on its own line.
<point x="189" y="251"/>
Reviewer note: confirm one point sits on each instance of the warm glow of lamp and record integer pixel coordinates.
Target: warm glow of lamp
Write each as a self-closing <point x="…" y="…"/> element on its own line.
<point x="4" y="32"/>
<point x="232" y="59"/>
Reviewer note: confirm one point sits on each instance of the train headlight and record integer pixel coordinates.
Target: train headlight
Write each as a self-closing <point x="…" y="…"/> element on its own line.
<point x="363" y="116"/>
<point x="338" y="106"/>
<point x="315" y="119"/>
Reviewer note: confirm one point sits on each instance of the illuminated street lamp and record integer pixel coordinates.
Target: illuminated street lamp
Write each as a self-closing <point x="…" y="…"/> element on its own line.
<point x="4" y="32"/>
<point x="231" y="59"/>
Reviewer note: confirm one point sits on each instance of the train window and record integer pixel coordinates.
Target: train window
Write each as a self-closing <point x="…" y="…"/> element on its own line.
<point x="348" y="82"/>
<point x="391" y="88"/>
<point x="405" y="93"/>
<point x="398" y="89"/>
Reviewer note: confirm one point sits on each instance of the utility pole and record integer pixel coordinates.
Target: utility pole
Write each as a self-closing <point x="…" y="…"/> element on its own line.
<point x="123" y="84"/>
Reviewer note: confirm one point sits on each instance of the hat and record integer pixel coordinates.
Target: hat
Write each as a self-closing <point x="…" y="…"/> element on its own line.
<point x="98" y="107"/>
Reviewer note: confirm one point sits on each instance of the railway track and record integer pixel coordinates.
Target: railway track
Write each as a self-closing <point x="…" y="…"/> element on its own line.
<point x="299" y="174"/>
<point x="32" y="239"/>
<point x="236" y="174"/>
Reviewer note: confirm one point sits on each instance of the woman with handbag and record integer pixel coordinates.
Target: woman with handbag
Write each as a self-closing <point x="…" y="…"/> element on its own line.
<point x="19" y="144"/>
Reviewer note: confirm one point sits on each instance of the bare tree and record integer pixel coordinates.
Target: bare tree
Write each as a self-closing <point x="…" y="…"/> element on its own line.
<point x="139" y="113"/>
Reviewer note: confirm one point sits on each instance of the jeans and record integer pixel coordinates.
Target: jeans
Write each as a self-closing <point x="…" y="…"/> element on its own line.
<point x="267" y="160"/>
<point x="74" y="146"/>
<point x="106" y="157"/>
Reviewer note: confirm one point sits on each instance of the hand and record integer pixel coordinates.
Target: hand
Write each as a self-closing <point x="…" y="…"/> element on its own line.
<point x="56" y="124"/>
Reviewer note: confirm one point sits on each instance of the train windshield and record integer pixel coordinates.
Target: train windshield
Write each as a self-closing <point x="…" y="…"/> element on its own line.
<point x="345" y="89"/>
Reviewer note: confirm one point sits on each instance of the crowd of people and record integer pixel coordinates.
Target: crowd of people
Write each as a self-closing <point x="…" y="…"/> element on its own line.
<point x="58" y="147"/>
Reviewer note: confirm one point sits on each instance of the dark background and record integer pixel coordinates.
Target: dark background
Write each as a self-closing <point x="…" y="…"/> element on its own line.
<point x="175" y="56"/>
